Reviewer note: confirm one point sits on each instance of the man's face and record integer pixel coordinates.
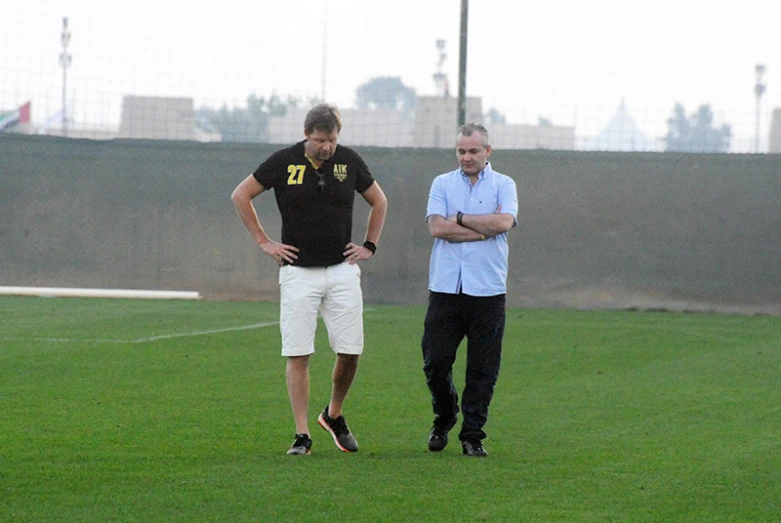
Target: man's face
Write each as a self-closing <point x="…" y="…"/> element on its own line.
<point x="320" y="145"/>
<point x="472" y="154"/>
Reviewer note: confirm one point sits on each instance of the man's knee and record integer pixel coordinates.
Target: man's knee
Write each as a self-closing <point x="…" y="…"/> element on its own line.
<point x="298" y="363"/>
<point x="347" y="360"/>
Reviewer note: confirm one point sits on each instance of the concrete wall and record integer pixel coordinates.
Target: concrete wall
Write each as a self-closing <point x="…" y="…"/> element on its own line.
<point x="774" y="139"/>
<point x="596" y="230"/>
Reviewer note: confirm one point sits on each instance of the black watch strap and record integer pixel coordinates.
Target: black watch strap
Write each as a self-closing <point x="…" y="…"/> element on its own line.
<point x="371" y="246"/>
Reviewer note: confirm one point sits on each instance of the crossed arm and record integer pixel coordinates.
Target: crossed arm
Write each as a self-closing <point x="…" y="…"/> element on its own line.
<point x="476" y="227"/>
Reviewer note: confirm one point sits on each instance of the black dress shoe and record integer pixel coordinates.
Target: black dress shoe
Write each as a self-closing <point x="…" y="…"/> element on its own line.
<point x="437" y="439"/>
<point x="474" y="449"/>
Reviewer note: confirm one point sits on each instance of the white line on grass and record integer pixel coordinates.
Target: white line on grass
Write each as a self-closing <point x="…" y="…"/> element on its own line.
<point x="203" y="333"/>
<point x="150" y="338"/>
<point x="65" y="340"/>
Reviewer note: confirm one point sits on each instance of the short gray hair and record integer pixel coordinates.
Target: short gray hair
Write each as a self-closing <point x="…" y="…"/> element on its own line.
<point x="468" y="129"/>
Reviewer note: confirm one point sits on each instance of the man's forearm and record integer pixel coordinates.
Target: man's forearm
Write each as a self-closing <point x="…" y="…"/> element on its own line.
<point x="489" y="225"/>
<point x="249" y="217"/>
<point x="376" y="222"/>
<point x="449" y="230"/>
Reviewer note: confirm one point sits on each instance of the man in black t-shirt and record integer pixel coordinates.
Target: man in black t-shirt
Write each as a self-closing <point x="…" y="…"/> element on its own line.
<point x="314" y="184"/>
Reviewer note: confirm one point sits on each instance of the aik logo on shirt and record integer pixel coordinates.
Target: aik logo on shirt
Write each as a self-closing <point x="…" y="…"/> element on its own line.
<point x="340" y="171"/>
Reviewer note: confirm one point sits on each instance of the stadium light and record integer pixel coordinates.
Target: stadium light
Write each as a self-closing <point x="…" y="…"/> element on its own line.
<point x="65" y="62"/>
<point x="759" y="90"/>
<point x="440" y="78"/>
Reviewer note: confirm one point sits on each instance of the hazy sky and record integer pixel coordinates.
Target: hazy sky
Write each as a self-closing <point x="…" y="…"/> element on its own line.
<point x="570" y="61"/>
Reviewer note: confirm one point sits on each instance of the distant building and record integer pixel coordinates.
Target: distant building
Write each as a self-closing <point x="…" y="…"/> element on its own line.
<point x="436" y="120"/>
<point x="621" y="134"/>
<point x="433" y="126"/>
<point x="774" y="141"/>
<point x="526" y="136"/>
<point x="158" y="118"/>
<point x="380" y="127"/>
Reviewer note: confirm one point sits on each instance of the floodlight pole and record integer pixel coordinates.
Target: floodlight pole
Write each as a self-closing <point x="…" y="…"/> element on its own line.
<point x="65" y="62"/>
<point x="325" y="56"/>
<point x="759" y="90"/>
<point x="462" y="64"/>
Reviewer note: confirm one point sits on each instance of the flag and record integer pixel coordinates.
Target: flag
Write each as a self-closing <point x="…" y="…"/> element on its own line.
<point x="20" y="116"/>
<point x="54" y="119"/>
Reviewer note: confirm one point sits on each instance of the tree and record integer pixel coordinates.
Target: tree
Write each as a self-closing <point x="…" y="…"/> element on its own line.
<point x="250" y="124"/>
<point x="386" y="92"/>
<point x="494" y="116"/>
<point x="696" y="134"/>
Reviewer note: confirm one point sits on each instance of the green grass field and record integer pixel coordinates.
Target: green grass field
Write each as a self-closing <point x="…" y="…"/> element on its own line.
<point x="125" y="410"/>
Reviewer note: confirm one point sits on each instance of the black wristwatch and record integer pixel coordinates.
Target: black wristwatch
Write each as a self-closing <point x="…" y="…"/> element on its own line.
<point x="371" y="246"/>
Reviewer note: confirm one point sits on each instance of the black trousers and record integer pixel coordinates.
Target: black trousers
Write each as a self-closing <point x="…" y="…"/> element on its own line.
<point x="450" y="318"/>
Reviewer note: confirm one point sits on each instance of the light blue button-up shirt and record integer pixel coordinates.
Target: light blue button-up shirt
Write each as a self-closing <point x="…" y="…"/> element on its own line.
<point x="475" y="268"/>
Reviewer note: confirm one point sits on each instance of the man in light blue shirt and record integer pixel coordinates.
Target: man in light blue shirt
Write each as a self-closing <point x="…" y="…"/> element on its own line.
<point x="469" y="213"/>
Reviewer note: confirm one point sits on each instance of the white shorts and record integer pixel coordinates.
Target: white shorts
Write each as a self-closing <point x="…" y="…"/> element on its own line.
<point x="334" y="292"/>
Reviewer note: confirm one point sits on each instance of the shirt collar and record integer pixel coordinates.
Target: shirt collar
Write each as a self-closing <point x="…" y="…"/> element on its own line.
<point x="486" y="170"/>
<point x="302" y="150"/>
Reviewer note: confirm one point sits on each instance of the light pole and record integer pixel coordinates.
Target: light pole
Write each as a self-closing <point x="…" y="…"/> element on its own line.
<point x="759" y="90"/>
<point x="65" y="62"/>
<point x="325" y="56"/>
<point x="462" y="62"/>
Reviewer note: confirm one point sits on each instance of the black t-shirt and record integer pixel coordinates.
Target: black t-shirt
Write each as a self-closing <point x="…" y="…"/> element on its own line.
<point x="316" y="218"/>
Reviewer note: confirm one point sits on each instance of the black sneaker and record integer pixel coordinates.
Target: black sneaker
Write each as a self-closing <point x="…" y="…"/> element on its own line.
<point x="474" y="449"/>
<point x="301" y="446"/>
<point x="437" y="439"/>
<point x="338" y="429"/>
